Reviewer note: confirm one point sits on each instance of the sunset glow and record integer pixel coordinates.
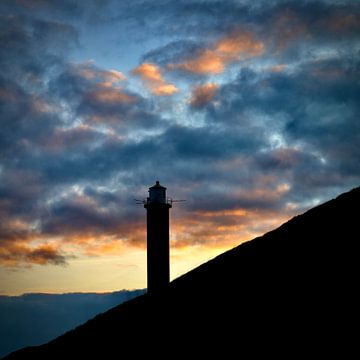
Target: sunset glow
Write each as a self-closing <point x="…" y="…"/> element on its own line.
<point x="248" y="111"/>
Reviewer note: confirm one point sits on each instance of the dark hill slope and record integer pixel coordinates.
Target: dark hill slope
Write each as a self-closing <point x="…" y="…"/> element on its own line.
<point x="293" y="288"/>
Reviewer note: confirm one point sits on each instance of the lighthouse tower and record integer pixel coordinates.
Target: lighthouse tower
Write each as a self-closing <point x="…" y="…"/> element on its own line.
<point x="158" y="266"/>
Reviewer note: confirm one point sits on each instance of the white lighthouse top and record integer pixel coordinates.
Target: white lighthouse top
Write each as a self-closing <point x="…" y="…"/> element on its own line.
<point x="157" y="194"/>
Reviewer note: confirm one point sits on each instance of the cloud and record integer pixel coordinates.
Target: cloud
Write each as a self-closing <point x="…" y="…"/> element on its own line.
<point x="85" y="79"/>
<point x="236" y="46"/>
<point x="344" y="23"/>
<point x="287" y="27"/>
<point x="152" y="77"/>
<point x="278" y="68"/>
<point x="61" y="10"/>
<point x="205" y="62"/>
<point x="99" y="102"/>
<point x="226" y="227"/>
<point x="78" y="142"/>
<point x="203" y="95"/>
<point x="187" y="19"/>
<point x="306" y="114"/>
<point x="19" y="254"/>
<point x="89" y="71"/>
<point x="74" y="139"/>
<point x="45" y="254"/>
<point x="274" y="29"/>
<point x="96" y="220"/>
<point x="109" y="96"/>
<point x="26" y="63"/>
<point x="174" y="50"/>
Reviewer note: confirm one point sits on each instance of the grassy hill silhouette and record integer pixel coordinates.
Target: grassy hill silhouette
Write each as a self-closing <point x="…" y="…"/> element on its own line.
<point x="292" y="288"/>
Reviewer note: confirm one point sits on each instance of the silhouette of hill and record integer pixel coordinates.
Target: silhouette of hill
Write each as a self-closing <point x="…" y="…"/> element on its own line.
<point x="290" y="292"/>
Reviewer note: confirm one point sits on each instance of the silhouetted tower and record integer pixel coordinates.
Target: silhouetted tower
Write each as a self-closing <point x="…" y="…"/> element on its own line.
<point x="158" y="263"/>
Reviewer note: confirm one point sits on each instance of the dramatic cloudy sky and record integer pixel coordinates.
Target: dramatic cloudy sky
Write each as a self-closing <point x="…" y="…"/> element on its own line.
<point x="249" y="110"/>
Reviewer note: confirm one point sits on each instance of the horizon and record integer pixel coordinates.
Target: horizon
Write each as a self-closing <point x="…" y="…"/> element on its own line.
<point x="72" y="293"/>
<point x="247" y="111"/>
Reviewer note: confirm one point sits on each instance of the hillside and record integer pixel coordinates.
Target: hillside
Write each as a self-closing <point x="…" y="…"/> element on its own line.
<point x="292" y="288"/>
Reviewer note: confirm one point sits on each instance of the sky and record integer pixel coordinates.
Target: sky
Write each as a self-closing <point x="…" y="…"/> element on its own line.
<point x="248" y="110"/>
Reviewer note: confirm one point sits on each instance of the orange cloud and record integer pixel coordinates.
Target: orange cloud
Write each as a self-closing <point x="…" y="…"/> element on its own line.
<point x="151" y="75"/>
<point x="278" y="68"/>
<point x="237" y="46"/>
<point x="113" y="75"/>
<point x="15" y="254"/>
<point x="206" y="62"/>
<point x="202" y="95"/>
<point x="107" y="78"/>
<point x="164" y="90"/>
<point x="110" y="96"/>
<point x="149" y="72"/>
<point x="223" y="229"/>
<point x="87" y="73"/>
<point x="235" y="212"/>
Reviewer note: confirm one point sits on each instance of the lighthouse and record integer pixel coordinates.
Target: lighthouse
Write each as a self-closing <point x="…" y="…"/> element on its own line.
<point x="158" y="264"/>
